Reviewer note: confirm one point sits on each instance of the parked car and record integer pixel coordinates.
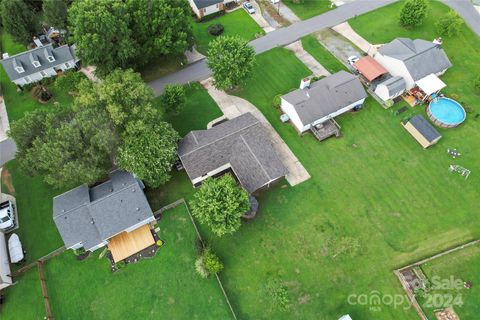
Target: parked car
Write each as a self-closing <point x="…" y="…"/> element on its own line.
<point x="7" y="215"/>
<point x="274" y="1"/>
<point x="352" y="59"/>
<point x="249" y="8"/>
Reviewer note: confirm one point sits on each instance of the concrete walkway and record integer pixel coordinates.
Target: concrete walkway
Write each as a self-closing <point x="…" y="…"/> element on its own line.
<point x="233" y="107"/>
<point x="259" y="19"/>
<point x="89" y="71"/>
<point x="346" y="30"/>
<point x="193" y="55"/>
<point x="281" y="37"/>
<point x="312" y="64"/>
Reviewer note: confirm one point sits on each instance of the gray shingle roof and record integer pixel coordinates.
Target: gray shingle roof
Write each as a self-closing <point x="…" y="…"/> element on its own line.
<point x="394" y="84"/>
<point x="92" y="215"/>
<point x="24" y="59"/>
<point x="425" y="128"/>
<point x="326" y="96"/>
<point x="243" y="142"/>
<point x="206" y="3"/>
<point x="421" y="57"/>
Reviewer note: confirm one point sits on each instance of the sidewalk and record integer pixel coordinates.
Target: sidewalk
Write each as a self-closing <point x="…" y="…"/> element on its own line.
<point x="312" y="64"/>
<point x="4" y="124"/>
<point x="233" y="107"/>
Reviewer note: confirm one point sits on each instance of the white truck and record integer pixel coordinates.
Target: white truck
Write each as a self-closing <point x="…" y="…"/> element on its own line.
<point x="7" y="215"/>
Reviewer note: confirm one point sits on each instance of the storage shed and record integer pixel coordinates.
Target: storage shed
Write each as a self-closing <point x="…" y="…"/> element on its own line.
<point x="425" y="134"/>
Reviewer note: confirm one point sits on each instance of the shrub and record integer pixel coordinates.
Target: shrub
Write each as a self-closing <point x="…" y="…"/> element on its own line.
<point x="277" y="101"/>
<point x="215" y="29"/>
<point x="208" y="263"/>
<point x="69" y="81"/>
<point x="173" y="98"/>
<point x="413" y="13"/>
<point x="211" y="262"/>
<point x="449" y="25"/>
<point x="79" y="251"/>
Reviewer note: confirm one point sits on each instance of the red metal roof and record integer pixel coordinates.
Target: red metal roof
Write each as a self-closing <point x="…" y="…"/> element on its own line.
<point x="370" y="68"/>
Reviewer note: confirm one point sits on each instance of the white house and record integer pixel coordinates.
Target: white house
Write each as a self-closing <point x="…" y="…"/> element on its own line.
<point x="204" y="8"/>
<point x="391" y="88"/>
<point x="323" y="100"/>
<point x="5" y="274"/>
<point x="413" y="59"/>
<point x="35" y="64"/>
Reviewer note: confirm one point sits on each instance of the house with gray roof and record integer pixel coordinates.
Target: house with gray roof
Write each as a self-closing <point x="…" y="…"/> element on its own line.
<point x="241" y="145"/>
<point x="204" y="8"/>
<point x="38" y="63"/>
<point x="391" y="88"/>
<point x="88" y="217"/>
<point x="413" y="59"/>
<point x="425" y="134"/>
<point x="322" y="100"/>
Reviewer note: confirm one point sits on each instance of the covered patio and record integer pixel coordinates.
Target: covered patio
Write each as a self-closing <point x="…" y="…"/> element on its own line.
<point x="127" y="244"/>
<point x="430" y="84"/>
<point x="369" y="68"/>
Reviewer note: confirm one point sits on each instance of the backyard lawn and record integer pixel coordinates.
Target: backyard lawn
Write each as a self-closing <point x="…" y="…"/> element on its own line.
<point x="461" y="266"/>
<point x="305" y="9"/>
<point x="165" y="286"/>
<point x="236" y="23"/>
<point x="18" y="103"/>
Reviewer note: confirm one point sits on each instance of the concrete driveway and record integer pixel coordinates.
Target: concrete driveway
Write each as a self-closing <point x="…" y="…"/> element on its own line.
<point x="259" y="19"/>
<point x="339" y="46"/>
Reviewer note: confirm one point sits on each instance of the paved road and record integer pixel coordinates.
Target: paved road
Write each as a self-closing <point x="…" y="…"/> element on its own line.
<point x="278" y="38"/>
<point x="281" y="37"/>
<point x="467" y="11"/>
<point x="7" y="151"/>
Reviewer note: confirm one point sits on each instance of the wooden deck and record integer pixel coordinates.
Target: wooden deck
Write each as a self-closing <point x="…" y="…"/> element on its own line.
<point x="326" y="130"/>
<point x="128" y="243"/>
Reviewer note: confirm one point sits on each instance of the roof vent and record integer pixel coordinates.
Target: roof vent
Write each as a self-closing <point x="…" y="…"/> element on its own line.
<point x="137" y="208"/>
<point x="92" y="221"/>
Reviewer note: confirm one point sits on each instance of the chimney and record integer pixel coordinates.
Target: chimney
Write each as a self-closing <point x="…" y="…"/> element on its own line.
<point x="305" y="83"/>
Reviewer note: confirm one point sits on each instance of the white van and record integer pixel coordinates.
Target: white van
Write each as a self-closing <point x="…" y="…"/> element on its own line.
<point x="7" y="215"/>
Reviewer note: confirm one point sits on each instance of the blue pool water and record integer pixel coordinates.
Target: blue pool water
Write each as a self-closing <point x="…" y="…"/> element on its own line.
<point x="448" y="111"/>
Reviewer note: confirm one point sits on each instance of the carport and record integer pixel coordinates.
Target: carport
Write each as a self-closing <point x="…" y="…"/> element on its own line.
<point x="370" y="68"/>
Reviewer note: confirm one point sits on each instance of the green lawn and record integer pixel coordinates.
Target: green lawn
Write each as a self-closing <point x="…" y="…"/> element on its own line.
<point x="166" y="286"/>
<point x="19" y="103"/>
<point x="305" y="9"/>
<point x="322" y="55"/>
<point x="236" y="23"/>
<point x="461" y="266"/>
<point x="24" y="299"/>
<point x="37" y="230"/>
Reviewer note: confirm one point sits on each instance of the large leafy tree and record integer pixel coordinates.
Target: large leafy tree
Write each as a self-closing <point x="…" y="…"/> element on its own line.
<point x="173" y="98"/>
<point x="219" y="203"/>
<point x="112" y="33"/>
<point x="68" y="146"/>
<point x="149" y="150"/>
<point x="232" y="61"/>
<point x="18" y="19"/>
<point x="450" y="24"/>
<point x="413" y="13"/>
<point x="55" y="13"/>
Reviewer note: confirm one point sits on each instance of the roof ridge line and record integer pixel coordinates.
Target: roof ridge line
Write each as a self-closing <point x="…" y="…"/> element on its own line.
<point x="253" y="154"/>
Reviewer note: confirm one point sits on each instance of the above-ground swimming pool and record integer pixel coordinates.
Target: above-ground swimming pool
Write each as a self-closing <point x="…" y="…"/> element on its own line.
<point x="445" y="112"/>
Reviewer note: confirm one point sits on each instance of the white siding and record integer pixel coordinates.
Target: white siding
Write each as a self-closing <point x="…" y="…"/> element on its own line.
<point x="292" y="113"/>
<point x="383" y="93"/>
<point x="194" y="8"/>
<point x="211" y="9"/>
<point x="140" y="224"/>
<point x="396" y="68"/>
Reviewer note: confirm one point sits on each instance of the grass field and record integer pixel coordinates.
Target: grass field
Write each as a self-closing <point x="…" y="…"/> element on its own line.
<point x="316" y="50"/>
<point x="24" y="300"/>
<point x="461" y="266"/>
<point x="18" y="103"/>
<point x="164" y="286"/>
<point x="305" y="9"/>
<point x="236" y="23"/>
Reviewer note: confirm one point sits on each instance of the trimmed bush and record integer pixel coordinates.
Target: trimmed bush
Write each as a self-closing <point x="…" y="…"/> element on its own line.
<point x="277" y="101"/>
<point x="215" y="29"/>
<point x="449" y="25"/>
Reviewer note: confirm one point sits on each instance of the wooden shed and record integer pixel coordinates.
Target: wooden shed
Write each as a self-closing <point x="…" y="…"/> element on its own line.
<point x="425" y="134"/>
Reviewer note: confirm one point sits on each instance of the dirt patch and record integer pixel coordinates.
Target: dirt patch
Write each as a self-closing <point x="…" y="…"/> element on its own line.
<point x="7" y="182"/>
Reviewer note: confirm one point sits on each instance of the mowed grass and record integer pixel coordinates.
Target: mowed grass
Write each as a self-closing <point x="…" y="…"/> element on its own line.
<point x="24" y="300"/>
<point x="236" y="23"/>
<point x="305" y="9"/>
<point x="316" y="50"/>
<point x="37" y="230"/>
<point x="21" y="102"/>
<point x="165" y="286"/>
<point x="460" y="266"/>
